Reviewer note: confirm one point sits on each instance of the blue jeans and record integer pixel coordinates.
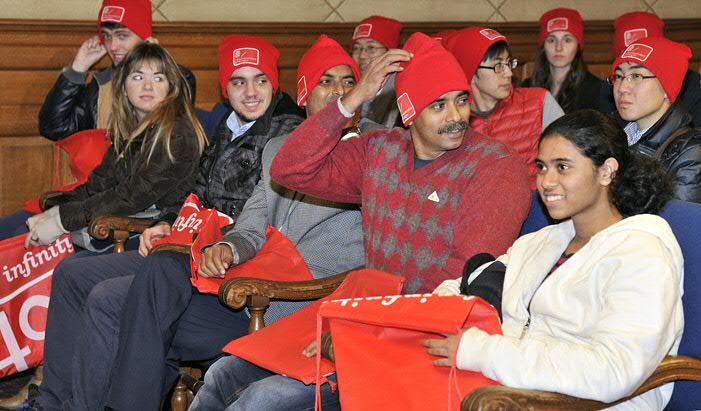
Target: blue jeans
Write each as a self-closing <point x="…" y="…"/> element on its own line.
<point x="233" y="384"/>
<point x="14" y="224"/>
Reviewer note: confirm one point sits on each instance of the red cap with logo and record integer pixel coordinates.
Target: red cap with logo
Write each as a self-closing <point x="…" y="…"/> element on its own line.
<point x="132" y="14"/>
<point x="381" y="29"/>
<point x="470" y="44"/>
<point x="562" y="19"/>
<point x="666" y="59"/>
<point x="432" y="72"/>
<point x="631" y="27"/>
<point x="238" y="51"/>
<point x="326" y="53"/>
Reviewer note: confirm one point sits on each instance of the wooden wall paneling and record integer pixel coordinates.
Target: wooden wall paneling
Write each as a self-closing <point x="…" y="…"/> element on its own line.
<point x="26" y="170"/>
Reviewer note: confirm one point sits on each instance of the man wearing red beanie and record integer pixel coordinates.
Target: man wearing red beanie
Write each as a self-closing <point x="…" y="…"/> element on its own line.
<point x="513" y="116"/>
<point x="327" y="234"/>
<point x="631" y="27"/>
<point x="432" y="196"/>
<point x="372" y="37"/>
<point x="72" y="105"/>
<point x="647" y="78"/>
<point x="107" y="326"/>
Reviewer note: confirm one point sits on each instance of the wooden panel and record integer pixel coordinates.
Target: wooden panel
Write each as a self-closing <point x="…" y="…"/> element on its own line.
<point x="26" y="169"/>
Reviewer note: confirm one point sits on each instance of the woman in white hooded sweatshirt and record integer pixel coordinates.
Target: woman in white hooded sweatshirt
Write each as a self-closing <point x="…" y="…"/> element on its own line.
<point x="593" y="304"/>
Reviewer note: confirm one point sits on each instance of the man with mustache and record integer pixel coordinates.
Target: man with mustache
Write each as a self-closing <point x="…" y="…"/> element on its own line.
<point x="88" y="293"/>
<point x="372" y="37"/>
<point x="72" y="105"/>
<point x="513" y="116"/>
<point x="647" y="79"/>
<point x="432" y="196"/>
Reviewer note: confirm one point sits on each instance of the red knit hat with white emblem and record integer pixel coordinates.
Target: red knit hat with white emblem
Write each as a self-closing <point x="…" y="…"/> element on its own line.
<point x="562" y="19"/>
<point x="432" y="72"/>
<point x="666" y="59"/>
<point x="469" y="46"/>
<point x="381" y="29"/>
<point x="631" y="27"/>
<point x="238" y="51"/>
<point x="132" y="14"/>
<point x="324" y="54"/>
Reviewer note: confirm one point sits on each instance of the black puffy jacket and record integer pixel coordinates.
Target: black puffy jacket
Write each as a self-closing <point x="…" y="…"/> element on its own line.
<point x="681" y="156"/>
<point x="71" y="105"/>
<point x="128" y="184"/>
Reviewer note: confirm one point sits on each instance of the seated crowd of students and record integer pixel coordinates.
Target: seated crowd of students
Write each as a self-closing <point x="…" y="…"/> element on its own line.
<point x="441" y="167"/>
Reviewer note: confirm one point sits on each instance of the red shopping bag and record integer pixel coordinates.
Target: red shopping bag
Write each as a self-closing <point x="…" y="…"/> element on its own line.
<point x="25" y="286"/>
<point x="85" y="150"/>
<point x="279" y="347"/>
<point x="190" y="222"/>
<point x="277" y="260"/>
<point x="379" y="339"/>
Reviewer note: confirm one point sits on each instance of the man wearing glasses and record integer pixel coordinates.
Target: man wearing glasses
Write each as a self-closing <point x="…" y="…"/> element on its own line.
<point x="372" y="37"/>
<point x="514" y="116"/>
<point x="646" y="79"/>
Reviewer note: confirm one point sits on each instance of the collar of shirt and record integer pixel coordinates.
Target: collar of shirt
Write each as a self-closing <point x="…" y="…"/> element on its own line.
<point x="633" y="133"/>
<point x="237" y="129"/>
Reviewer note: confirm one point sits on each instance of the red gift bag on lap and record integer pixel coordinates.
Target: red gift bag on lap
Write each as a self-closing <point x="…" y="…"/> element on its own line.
<point x="25" y="286"/>
<point x="85" y="150"/>
<point x="279" y="347"/>
<point x="379" y="339"/>
<point x="277" y="260"/>
<point x="190" y="222"/>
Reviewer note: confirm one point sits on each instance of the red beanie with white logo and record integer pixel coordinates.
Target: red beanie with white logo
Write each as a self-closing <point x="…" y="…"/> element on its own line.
<point x="631" y="27"/>
<point x="666" y="59"/>
<point x="326" y="53"/>
<point x="432" y="72"/>
<point x="562" y="19"/>
<point x="381" y="29"/>
<point x="132" y="14"/>
<point x="236" y="51"/>
<point x="469" y="46"/>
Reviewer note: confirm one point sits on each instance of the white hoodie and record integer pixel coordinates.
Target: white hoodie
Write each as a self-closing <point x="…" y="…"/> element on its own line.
<point x="600" y="324"/>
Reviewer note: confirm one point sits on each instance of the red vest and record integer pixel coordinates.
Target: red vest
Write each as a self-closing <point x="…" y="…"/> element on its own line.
<point x="516" y="121"/>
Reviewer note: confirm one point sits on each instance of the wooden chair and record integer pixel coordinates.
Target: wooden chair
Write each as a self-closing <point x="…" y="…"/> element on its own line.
<point x="253" y="293"/>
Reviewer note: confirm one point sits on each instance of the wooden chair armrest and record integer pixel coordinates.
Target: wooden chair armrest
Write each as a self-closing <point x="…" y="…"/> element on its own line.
<point x="234" y="292"/>
<point x="672" y="368"/>
<point x="103" y="225"/>
<point x="178" y="248"/>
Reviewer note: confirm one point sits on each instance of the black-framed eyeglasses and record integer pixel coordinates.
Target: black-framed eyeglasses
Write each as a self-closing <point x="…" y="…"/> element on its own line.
<point x="500" y="67"/>
<point x="633" y="78"/>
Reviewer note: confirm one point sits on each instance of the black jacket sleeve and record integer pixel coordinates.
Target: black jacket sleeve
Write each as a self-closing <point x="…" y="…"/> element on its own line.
<point x="68" y="108"/>
<point x="144" y="183"/>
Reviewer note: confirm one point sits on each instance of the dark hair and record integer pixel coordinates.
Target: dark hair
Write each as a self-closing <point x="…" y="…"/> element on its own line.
<point x="495" y="50"/>
<point x="641" y="184"/>
<point x="567" y="96"/>
<point x="112" y="26"/>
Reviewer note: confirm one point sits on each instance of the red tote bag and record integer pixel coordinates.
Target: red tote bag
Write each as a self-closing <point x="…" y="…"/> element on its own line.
<point x="85" y="150"/>
<point x="380" y="360"/>
<point x="25" y="287"/>
<point x="278" y="347"/>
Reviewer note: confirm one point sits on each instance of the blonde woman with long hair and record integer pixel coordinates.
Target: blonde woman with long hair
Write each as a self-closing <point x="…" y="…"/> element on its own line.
<point x="152" y="162"/>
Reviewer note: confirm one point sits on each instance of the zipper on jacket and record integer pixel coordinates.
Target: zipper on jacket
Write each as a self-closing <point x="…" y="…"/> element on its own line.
<point x="525" y="327"/>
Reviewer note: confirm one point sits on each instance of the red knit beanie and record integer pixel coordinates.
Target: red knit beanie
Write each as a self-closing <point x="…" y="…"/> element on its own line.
<point x="666" y="59"/>
<point x="132" y="14"/>
<point x="238" y="51"/>
<point x="562" y="19"/>
<point x="381" y="29"/>
<point x="432" y="72"/>
<point x="326" y="53"/>
<point x="469" y="46"/>
<point x="631" y="27"/>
